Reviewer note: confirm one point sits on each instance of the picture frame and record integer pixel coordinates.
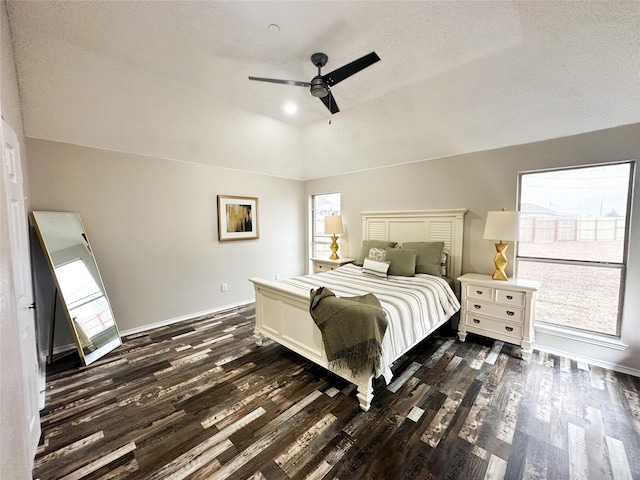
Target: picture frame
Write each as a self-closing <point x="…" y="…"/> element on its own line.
<point x="237" y="218"/>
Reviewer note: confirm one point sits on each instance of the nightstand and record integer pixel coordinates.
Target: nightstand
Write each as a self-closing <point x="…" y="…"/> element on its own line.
<point x="503" y="310"/>
<point x="325" y="264"/>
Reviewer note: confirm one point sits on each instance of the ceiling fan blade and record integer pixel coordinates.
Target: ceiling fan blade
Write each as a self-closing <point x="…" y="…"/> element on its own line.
<point x="285" y="82"/>
<point x="330" y="103"/>
<point x="350" y="68"/>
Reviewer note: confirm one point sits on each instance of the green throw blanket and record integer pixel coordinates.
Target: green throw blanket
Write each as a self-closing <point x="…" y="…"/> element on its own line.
<point x="352" y="329"/>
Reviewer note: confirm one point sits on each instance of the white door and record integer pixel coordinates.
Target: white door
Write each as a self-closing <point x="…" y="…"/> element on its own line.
<point x="33" y="378"/>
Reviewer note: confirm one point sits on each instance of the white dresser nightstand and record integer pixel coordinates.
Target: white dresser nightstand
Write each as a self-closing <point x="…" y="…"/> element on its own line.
<point x="503" y="310"/>
<point x="325" y="264"/>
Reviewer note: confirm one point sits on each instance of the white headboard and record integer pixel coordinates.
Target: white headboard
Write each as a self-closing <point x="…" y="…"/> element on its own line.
<point x="420" y="226"/>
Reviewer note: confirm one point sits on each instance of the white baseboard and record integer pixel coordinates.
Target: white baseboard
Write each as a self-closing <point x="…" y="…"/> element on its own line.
<point x="599" y="343"/>
<point x="591" y="361"/>
<point x="580" y="336"/>
<point x="164" y="323"/>
<point x="133" y="331"/>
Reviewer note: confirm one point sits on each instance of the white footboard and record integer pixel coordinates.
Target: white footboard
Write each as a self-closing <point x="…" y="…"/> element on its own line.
<point x="282" y="314"/>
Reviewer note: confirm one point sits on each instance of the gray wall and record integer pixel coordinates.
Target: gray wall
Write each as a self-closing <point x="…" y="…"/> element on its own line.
<point x="152" y="222"/>
<point x="152" y="225"/>
<point x="486" y="181"/>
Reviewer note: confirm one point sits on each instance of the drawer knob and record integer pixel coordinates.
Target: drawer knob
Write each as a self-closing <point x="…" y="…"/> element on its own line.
<point x="509" y="297"/>
<point x="475" y="320"/>
<point x="478" y="307"/>
<point x="479" y="292"/>
<point x="511" y="314"/>
<point x="509" y="329"/>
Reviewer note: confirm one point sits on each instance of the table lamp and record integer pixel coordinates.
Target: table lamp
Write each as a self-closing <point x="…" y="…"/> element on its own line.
<point x="333" y="227"/>
<point x="504" y="225"/>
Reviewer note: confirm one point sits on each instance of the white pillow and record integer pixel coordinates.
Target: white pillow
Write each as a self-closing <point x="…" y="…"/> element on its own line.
<point x="375" y="268"/>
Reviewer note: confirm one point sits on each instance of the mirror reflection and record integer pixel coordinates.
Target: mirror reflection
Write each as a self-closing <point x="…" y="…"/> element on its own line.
<point x="78" y="282"/>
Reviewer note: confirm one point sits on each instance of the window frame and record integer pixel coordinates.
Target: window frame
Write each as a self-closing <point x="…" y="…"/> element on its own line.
<point x="622" y="265"/>
<point x="324" y="238"/>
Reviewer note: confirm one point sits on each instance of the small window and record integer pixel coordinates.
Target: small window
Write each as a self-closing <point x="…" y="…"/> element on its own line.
<point x="573" y="238"/>
<point x="321" y="206"/>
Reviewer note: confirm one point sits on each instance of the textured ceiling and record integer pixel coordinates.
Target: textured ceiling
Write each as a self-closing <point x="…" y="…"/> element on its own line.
<point x="169" y="79"/>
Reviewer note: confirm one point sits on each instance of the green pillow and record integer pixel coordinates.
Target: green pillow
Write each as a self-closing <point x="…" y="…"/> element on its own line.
<point x="368" y="245"/>
<point x="429" y="256"/>
<point x="403" y="262"/>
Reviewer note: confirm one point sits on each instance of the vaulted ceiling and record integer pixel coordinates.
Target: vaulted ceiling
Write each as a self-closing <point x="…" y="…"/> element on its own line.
<point x="169" y="79"/>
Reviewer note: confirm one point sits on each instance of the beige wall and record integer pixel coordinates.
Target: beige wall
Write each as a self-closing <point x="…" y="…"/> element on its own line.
<point x="487" y="181"/>
<point x="152" y="224"/>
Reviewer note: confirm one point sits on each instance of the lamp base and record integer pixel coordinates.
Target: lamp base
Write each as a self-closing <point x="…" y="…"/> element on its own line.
<point x="500" y="261"/>
<point x="334" y="248"/>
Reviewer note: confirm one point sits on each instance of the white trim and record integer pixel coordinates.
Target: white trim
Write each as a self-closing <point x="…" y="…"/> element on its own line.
<point x="443" y="212"/>
<point x="583" y="337"/>
<point x="591" y="361"/>
<point x="164" y="323"/>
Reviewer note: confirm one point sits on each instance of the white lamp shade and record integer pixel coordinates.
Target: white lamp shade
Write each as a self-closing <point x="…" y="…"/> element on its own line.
<point x="333" y="224"/>
<point x="503" y="225"/>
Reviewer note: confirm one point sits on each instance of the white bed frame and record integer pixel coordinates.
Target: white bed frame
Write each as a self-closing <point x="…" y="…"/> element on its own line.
<point x="282" y="311"/>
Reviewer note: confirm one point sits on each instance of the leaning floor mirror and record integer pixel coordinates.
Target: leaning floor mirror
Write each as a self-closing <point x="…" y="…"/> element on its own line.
<point x="77" y="284"/>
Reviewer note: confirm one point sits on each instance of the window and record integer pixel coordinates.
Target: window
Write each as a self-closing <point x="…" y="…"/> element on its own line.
<point x="88" y="306"/>
<point x="573" y="238"/>
<point x="321" y="206"/>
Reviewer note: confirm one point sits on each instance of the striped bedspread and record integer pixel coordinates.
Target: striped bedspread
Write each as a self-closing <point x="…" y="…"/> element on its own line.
<point x="415" y="306"/>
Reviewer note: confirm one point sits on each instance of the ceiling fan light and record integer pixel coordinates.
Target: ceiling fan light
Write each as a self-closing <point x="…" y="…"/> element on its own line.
<point x="320" y="91"/>
<point x="319" y="88"/>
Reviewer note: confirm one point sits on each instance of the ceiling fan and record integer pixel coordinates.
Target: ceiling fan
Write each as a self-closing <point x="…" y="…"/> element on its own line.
<point x="320" y="84"/>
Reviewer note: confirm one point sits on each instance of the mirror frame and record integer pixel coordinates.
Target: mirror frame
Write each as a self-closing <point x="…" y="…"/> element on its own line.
<point x="101" y="350"/>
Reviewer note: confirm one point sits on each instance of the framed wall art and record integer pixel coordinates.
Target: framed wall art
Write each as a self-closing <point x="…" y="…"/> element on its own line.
<point x="237" y="218"/>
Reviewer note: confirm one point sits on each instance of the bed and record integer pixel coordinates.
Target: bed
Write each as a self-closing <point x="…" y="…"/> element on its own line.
<point x="282" y="307"/>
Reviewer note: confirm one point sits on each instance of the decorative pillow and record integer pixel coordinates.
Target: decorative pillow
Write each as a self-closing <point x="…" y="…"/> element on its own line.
<point x="368" y="245"/>
<point x="377" y="254"/>
<point x="444" y="262"/>
<point x="403" y="262"/>
<point x="375" y="268"/>
<point x="429" y="256"/>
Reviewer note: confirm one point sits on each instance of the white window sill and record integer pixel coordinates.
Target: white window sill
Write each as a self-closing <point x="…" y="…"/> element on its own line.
<point x="579" y="336"/>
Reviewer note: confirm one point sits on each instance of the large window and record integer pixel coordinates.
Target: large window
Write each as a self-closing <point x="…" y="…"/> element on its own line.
<point x="322" y="206"/>
<point x="573" y="239"/>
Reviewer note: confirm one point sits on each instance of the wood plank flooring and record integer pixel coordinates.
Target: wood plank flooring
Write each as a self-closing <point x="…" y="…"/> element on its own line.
<point x="200" y="400"/>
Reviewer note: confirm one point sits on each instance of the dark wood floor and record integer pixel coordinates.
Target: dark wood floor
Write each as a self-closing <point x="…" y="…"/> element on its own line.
<point x="199" y="400"/>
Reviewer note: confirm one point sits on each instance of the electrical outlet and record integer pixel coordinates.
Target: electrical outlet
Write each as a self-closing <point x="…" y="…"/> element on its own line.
<point x="223" y="287"/>
<point x="277" y="276"/>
